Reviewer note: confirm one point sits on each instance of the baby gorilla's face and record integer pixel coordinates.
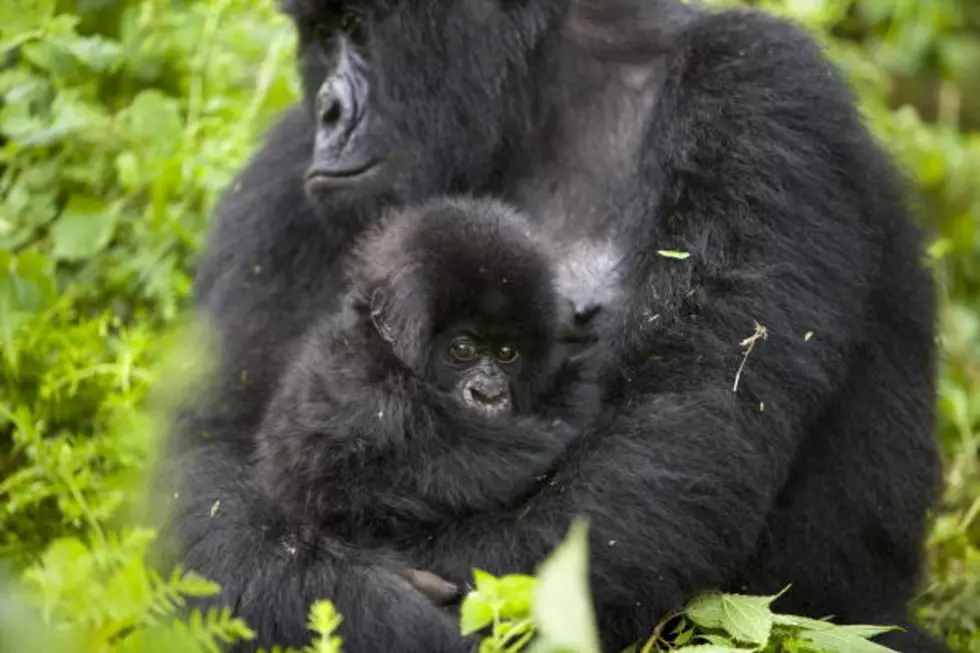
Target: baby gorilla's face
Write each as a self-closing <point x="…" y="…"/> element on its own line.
<point x="478" y="370"/>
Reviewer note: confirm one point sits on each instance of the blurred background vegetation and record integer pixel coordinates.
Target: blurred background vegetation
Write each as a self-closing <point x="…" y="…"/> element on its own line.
<point x="122" y="120"/>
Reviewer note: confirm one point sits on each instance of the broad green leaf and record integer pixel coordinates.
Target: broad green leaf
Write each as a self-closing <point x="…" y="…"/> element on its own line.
<point x="563" y="602"/>
<point x="84" y="229"/>
<point x="748" y="618"/>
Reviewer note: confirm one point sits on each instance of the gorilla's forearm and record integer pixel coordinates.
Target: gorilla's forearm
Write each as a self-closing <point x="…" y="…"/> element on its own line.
<point x="271" y="567"/>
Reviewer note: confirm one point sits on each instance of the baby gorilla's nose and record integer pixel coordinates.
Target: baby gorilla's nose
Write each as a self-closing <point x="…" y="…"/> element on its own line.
<point x="487" y="394"/>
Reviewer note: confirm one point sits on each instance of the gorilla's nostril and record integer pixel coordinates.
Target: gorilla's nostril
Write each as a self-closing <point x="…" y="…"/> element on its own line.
<point x="331" y="112"/>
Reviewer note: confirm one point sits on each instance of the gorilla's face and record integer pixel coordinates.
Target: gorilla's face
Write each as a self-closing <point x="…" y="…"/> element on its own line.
<point x="481" y="372"/>
<point x="418" y="97"/>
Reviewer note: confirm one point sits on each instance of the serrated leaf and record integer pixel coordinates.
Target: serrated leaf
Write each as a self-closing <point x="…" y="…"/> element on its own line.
<point x="562" y="599"/>
<point x="673" y="253"/>
<point x="84" y="228"/>
<point x="748" y="618"/>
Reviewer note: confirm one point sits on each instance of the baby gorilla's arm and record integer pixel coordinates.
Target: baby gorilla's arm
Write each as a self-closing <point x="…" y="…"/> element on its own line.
<point x="463" y="466"/>
<point x="379" y="455"/>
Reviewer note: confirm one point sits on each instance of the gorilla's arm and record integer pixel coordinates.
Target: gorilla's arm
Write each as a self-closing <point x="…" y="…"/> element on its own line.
<point x="272" y="568"/>
<point x="764" y="175"/>
<point x="271" y="254"/>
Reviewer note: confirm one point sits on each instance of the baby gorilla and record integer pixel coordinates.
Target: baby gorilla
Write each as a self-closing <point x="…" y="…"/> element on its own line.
<point x="450" y="381"/>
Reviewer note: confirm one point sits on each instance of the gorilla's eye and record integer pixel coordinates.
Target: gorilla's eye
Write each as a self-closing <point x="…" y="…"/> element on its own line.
<point x="507" y="354"/>
<point x="462" y="350"/>
<point x="353" y="26"/>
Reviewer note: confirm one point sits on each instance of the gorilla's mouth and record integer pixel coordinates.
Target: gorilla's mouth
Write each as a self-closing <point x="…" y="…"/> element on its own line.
<point x="319" y="180"/>
<point x="486" y="403"/>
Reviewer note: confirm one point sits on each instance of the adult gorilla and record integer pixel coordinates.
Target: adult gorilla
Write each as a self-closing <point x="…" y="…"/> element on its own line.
<point x="626" y="127"/>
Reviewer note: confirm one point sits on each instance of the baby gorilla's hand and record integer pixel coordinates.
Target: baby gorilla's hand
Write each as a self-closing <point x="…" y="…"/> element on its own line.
<point x="433" y="587"/>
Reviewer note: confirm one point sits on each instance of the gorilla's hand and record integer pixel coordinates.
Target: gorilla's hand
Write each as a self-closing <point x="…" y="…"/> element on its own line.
<point x="435" y="588"/>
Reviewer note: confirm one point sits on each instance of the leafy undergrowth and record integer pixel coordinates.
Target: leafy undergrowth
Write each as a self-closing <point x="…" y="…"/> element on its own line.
<point x="121" y="121"/>
<point x="101" y="596"/>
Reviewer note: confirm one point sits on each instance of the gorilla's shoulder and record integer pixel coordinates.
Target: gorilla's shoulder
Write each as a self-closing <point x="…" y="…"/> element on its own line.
<point x="751" y="59"/>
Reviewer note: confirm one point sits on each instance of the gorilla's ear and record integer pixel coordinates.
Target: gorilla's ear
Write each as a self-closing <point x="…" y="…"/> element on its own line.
<point x="400" y="316"/>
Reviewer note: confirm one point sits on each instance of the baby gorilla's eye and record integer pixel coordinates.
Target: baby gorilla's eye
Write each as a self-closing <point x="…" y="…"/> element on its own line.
<point x="507" y="354"/>
<point x="462" y="350"/>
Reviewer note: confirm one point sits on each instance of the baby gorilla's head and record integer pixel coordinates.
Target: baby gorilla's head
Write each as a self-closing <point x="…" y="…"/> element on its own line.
<point x="465" y="295"/>
<point x="483" y="371"/>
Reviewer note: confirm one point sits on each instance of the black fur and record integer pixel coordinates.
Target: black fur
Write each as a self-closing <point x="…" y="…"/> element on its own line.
<point x="623" y="128"/>
<point x="360" y="441"/>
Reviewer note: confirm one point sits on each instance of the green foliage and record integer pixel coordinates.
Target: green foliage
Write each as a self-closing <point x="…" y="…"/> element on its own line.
<point x="554" y="609"/>
<point x="120" y="125"/>
<point x="552" y="613"/>
<point x="120" y="122"/>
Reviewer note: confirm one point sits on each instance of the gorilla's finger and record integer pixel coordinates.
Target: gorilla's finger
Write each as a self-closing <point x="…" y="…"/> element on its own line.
<point x="435" y="588"/>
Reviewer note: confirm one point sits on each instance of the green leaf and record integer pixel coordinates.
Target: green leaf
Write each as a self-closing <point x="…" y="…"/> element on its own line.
<point x="672" y="253"/>
<point x="324" y="620"/>
<point x="24" y="16"/>
<point x="475" y="614"/>
<point x="839" y="640"/>
<point x="516" y="592"/>
<point x="865" y="631"/>
<point x="84" y="229"/>
<point x="794" y="621"/>
<point x="486" y="584"/>
<point x="706" y="611"/>
<point x="748" y="618"/>
<point x="154" y="123"/>
<point x="562" y="602"/>
<point x="710" y="648"/>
